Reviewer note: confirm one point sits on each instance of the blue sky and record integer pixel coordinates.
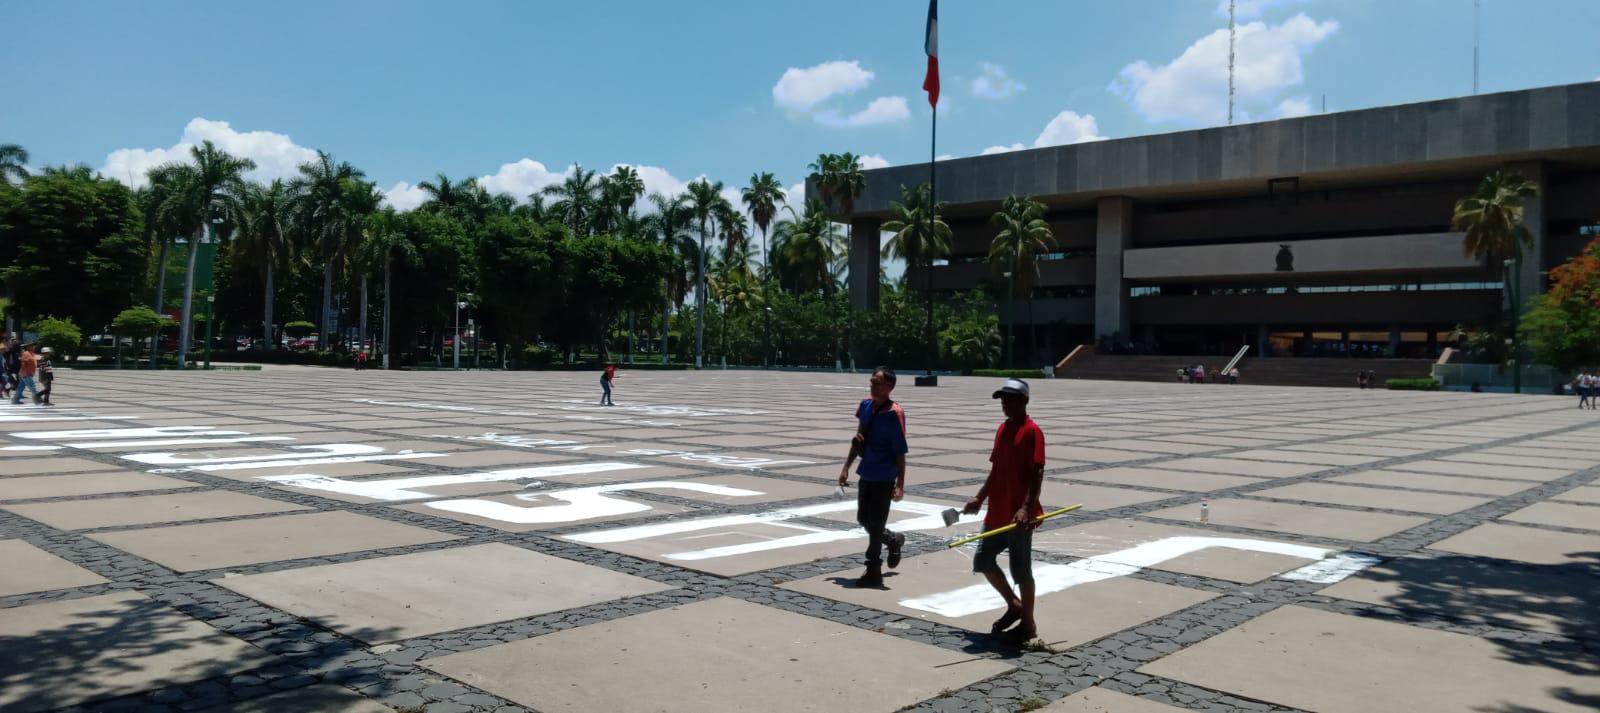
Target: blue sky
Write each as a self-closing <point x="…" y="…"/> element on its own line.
<point x="514" y="92"/>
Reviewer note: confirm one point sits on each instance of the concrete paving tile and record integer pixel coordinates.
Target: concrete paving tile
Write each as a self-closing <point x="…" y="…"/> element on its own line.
<point x="53" y="486"/>
<point x="529" y="510"/>
<point x="1582" y="517"/>
<point x="82" y="650"/>
<point x="1482" y="470"/>
<point x="941" y="587"/>
<point x="149" y="509"/>
<point x="745" y="440"/>
<point x="1190" y="481"/>
<point x="1428" y="481"/>
<point x="1285" y="455"/>
<point x="189" y="548"/>
<point x="491" y="458"/>
<point x="1335" y="494"/>
<point x="29" y="569"/>
<point x="404" y="596"/>
<point x="1094" y="455"/>
<point x="1561" y="464"/>
<point x="1298" y="519"/>
<point x="975" y="461"/>
<point x="1335" y="663"/>
<point x="747" y="658"/>
<point x="53" y="465"/>
<point x="1105" y="700"/>
<point x="1154" y="446"/>
<point x="1189" y="550"/>
<point x="1523" y="544"/>
<point x="1587" y="494"/>
<point x="1243" y="467"/>
<point x="1091" y="497"/>
<point x="1546" y="598"/>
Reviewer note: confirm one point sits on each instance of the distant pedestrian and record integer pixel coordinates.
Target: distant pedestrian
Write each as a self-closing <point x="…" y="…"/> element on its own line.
<point x="1199" y="374"/>
<point x="1233" y="375"/>
<point x="47" y="375"/>
<point x="605" y="384"/>
<point x="27" y="368"/>
<point x="5" y="369"/>
<point x="1585" y="386"/>
<point x="1361" y="379"/>
<point x="361" y="360"/>
<point x="880" y="442"/>
<point x="13" y="363"/>
<point x="1016" y="475"/>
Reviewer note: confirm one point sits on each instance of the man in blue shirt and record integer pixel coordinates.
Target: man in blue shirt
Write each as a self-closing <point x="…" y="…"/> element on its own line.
<point x="880" y="442"/>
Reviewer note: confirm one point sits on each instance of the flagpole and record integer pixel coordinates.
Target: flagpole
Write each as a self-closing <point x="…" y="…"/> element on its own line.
<point x="933" y="203"/>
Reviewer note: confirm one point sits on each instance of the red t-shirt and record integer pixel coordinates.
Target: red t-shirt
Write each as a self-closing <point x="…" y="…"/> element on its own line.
<point x="611" y="372"/>
<point x="30" y="365"/>
<point x="1018" y="447"/>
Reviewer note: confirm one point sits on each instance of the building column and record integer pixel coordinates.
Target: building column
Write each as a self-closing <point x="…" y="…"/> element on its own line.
<point x="1533" y="217"/>
<point x="1262" y="341"/>
<point x="865" y="263"/>
<point x="1394" y="341"/>
<point x="1113" y="234"/>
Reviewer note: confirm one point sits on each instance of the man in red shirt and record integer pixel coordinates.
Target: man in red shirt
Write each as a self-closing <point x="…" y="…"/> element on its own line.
<point x="1016" y="474"/>
<point x="605" y="383"/>
<point x="29" y="365"/>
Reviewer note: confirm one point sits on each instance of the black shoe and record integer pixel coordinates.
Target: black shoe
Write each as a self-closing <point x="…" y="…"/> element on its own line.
<point x="870" y="579"/>
<point x="1012" y="616"/>
<point x="896" y="541"/>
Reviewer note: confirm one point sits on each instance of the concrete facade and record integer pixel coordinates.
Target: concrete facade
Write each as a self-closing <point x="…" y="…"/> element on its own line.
<point x="1310" y="229"/>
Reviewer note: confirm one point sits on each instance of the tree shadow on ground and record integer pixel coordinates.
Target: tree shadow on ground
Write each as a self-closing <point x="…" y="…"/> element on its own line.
<point x="106" y="648"/>
<point x="1555" y="599"/>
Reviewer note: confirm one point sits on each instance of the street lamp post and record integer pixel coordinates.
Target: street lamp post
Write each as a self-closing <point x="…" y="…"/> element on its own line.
<point x="1011" y="301"/>
<point x="1514" y="287"/>
<point x="211" y="317"/>
<point x="455" y="337"/>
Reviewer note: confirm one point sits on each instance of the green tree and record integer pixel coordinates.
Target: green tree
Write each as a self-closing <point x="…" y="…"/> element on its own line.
<point x="386" y="244"/>
<point x="263" y="239"/>
<point x="60" y="335"/>
<point x="706" y="203"/>
<point x="671" y="225"/>
<point x="72" y="244"/>
<point x="762" y="198"/>
<point x="806" y="244"/>
<point x="577" y="199"/>
<point x="920" y="236"/>
<point x="12" y="159"/>
<point x="1563" y="327"/>
<point x="331" y="201"/>
<point x="139" y="323"/>
<point x="517" y="275"/>
<point x="604" y="274"/>
<point x="972" y="339"/>
<point x="1023" y="236"/>
<point x="299" y="329"/>
<point x="1491" y="218"/>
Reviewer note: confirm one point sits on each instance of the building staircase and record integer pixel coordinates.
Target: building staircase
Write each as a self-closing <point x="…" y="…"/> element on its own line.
<point x="1277" y="371"/>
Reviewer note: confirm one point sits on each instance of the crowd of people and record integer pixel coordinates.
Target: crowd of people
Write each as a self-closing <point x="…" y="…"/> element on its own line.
<point x="1197" y="374"/>
<point x="28" y="370"/>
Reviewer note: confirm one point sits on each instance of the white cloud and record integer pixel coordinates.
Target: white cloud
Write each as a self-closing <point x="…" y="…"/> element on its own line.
<point x="1066" y="128"/>
<point x="520" y="178"/>
<point x="871" y="161"/>
<point x="403" y="196"/>
<point x="882" y="110"/>
<point x="1193" y="88"/>
<point x="1069" y="128"/>
<point x="994" y="83"/>
<point x="802" y="89"/>
<point x="1251" y="9"/>
<point x="945" y="157"/>
<point x="276" y="155"/>
<point x="1292" y="107"/>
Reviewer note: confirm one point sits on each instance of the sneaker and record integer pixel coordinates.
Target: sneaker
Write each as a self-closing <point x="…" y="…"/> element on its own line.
<point x="896" y="541"/>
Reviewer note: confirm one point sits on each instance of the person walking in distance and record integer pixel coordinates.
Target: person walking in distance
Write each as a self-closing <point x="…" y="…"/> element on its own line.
<point x="47" y="375"/>
<point x="605" y="384"/>
<point x="880" y="442"/>
<point x="5" y="369"/>
<point x="361" y="360"/>
<point x="13" y="363"/>
<point x="1016" y="475"/>
<point x="28" y="366"/>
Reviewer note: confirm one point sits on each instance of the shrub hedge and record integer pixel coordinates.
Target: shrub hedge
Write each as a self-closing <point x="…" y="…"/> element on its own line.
<point x="1413" y="384"/>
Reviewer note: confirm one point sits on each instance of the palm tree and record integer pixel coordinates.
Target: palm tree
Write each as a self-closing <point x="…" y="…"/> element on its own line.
<point x="806" y="242"/>
<point x="762" y="198"/>
<point x="705" y="199"/>
<point x="577" y="198"/>
<point x="331" y="202"/>
<point x="916" y="244"/>
<point x="12" y="159"/>
<point x="386" y="242"/>
<point x="626" y="187"/>
<point x="161" y="228"/>
<point x="671" y="223"/>
<point x="444" y="195"/>
<point x="1492" y="219"/>
<point x="202" y="192"/>
<point x="264" y="236"/>
<point x="733" y="284"/>
<point x="1023" y="236"/>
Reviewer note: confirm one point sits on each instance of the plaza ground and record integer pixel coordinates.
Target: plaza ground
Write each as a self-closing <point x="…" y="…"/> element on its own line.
<point x="303" y="539"/>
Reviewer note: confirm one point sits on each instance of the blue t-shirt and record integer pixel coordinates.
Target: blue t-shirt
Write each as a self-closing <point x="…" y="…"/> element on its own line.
<point x="886" y="439"/>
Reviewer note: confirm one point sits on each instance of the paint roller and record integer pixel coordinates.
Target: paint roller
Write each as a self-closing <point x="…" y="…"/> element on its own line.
<point x="951" y="514"/>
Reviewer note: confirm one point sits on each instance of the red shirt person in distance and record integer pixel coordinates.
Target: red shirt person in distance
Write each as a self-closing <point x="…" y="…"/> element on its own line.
<point x="1016" y="474"/>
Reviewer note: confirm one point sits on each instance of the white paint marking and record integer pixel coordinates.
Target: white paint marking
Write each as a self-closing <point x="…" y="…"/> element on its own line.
<point x="157" y="432"/>
<point x="397" y="489"/>
<point x="402" y="455"/>
<point x="1334" y="569"/>
<point x="1058" y="577"/>
<point x="580" y="503"/>
<point x="329" y="449"/>
<point x="180" y="442"/>
<point x="31" y="448"/>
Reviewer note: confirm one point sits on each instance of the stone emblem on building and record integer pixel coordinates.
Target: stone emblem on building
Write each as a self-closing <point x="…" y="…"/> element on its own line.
<point x="1285" y="259"/>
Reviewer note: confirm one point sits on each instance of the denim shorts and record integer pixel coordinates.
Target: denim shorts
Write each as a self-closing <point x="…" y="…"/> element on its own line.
<point x="1020" y="544"/>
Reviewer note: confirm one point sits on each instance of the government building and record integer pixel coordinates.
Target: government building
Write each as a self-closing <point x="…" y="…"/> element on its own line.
<point x="1322" y="235"/>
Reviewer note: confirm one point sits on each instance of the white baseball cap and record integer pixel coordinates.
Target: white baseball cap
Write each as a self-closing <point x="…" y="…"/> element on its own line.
<point x="1013" y="386"/>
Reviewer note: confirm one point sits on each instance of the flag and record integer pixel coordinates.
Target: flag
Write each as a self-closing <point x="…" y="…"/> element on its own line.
<point x="930" y="44"/>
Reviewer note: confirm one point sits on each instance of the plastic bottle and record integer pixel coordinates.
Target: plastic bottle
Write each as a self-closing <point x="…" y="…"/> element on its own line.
<point x="1205" y="511"/>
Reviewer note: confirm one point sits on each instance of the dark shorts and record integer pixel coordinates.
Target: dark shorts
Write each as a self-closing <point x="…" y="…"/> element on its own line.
<point x="1018" y="542"/>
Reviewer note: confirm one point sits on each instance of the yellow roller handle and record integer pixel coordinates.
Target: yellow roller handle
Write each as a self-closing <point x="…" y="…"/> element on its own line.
<point x="1012" y="526"/>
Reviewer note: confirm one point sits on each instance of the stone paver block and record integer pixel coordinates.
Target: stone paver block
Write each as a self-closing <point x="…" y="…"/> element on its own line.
<point x="1428" y="481"/>
<point x="1225" y="557"/>
<point x="745" y="657"/>
<point x="1298" y="519"/>
<point x="1581" y="517"/>
<point x="1333" y="494"/>
<point x="56" y="486"/>
<point x="147" y="509"/>
<point x="1523" y="544"/>
<point x="30" y="569"/>
<point x="1105" y="700"/>
<point x="188" y="548"/>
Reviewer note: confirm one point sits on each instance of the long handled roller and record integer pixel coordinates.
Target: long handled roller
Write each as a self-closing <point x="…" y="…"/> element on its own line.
<point x="1012" y="526"/>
